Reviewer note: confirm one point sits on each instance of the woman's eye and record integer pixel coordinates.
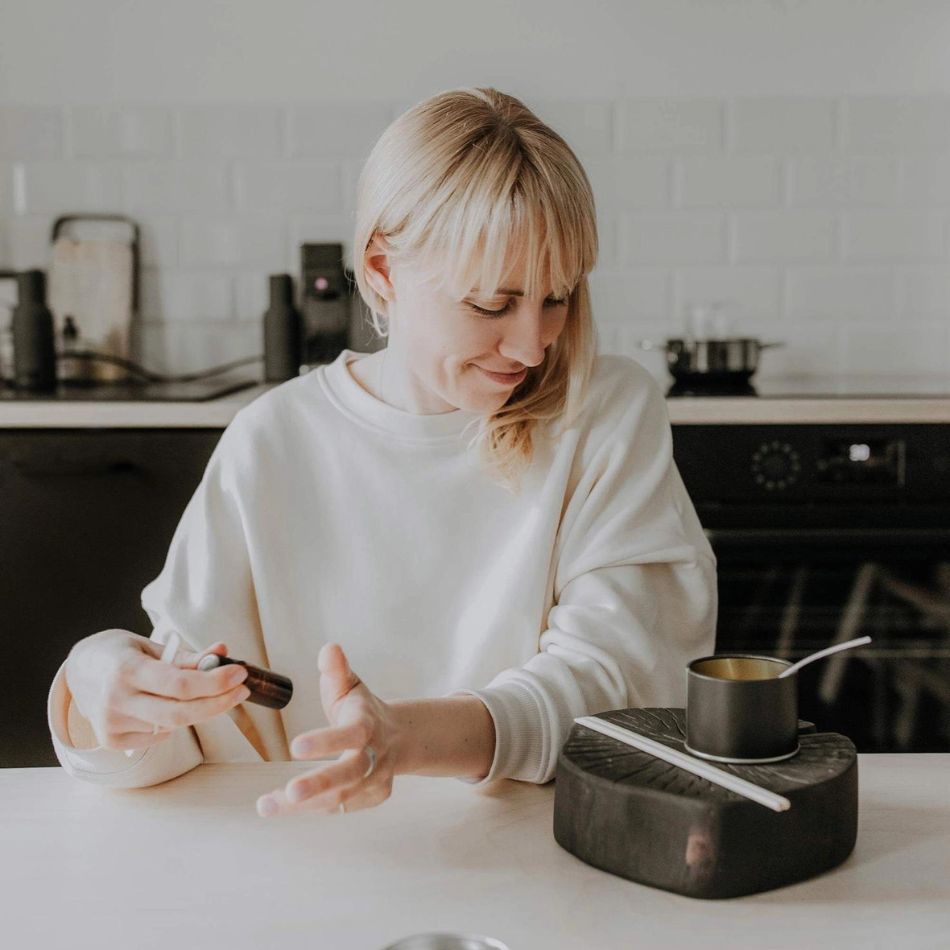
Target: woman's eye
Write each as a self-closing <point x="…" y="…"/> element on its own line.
<point x="507" y="307"/>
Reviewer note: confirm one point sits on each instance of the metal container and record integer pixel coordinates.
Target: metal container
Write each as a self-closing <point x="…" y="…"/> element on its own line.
<point x="739" y="710"/>
<point x="728" y="361"/>
<point x="446" y="941"/>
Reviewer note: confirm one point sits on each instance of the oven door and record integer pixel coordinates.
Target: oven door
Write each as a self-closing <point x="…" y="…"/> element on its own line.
<point x="791" y="591"/>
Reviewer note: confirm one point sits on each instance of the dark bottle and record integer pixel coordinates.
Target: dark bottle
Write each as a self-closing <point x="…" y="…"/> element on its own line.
<point x="34" y="348"/>
<point x="282" y="331"/>
<point x="267" y="687"/>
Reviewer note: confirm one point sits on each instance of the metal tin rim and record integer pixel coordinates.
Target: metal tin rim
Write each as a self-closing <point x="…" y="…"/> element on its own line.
<point x="737" y="656"/>
<point x="409" y="943"/>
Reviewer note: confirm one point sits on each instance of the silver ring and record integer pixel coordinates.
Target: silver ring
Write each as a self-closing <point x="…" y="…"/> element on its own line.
<point x="342" y="808"/>
<point x="371" y="752"/>
<point x="155" y="729"/>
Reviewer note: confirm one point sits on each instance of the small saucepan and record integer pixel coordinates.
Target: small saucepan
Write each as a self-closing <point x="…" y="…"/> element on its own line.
<point x="711" y="362"/>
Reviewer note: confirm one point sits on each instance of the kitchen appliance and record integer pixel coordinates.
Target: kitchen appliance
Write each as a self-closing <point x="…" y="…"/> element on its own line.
<point x="824" y="532"/>
<point x="94" y="279"/>
<point x="334" y="316"/>
<point x="197" y="390"/>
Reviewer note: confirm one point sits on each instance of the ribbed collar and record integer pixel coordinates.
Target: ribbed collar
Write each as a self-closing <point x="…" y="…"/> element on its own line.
<point x="347" y="393"/>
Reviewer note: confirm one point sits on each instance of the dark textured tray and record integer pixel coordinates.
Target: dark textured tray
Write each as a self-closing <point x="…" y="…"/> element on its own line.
<point x="646" y="820"/>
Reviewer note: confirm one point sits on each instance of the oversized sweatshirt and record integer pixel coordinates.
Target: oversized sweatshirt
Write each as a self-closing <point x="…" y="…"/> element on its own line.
<point x="326" y="515"/>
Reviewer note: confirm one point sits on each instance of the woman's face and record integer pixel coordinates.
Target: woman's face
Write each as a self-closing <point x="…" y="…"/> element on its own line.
<point x="439" y="349"/>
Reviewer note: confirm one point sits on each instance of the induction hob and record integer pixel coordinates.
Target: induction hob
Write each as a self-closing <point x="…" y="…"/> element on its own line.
<point x="199" y="390"/>
<point x="929" y="386"/>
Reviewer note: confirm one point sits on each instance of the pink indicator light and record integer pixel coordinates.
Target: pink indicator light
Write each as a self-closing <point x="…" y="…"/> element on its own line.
<point x="321" y="283"/>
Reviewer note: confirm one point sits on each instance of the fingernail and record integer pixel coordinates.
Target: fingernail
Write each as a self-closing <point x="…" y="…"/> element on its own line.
<point x="296" y="793"/>
<point x="239" y="675"/>
<point x="241" y="696"/>
<point x="266" y="807"/>
<point x="300" y="748"/>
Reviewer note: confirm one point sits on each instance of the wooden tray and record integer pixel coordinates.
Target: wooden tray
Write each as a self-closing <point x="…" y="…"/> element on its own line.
<point x="641" y="818"/>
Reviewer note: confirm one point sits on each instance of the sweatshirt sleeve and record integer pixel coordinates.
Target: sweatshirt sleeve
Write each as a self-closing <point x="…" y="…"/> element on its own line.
<point x="205" y="592"/>
<point x="635" y="595"/>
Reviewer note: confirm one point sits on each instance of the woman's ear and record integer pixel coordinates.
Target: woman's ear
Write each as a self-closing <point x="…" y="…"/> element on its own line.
<point x="377" y="266"/>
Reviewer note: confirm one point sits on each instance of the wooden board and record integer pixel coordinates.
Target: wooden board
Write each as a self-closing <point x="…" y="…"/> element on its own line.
<point x="644" y="819"/>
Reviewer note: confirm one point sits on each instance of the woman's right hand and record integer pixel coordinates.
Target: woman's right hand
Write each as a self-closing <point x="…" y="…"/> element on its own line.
<point x="121" y="686"/>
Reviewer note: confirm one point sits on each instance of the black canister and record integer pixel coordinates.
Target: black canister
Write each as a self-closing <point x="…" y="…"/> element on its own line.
<point x="34" y="349"/>
<point x="282" y="331"/>
<point x="739" y="710"/>
<point x="267" y="687"/>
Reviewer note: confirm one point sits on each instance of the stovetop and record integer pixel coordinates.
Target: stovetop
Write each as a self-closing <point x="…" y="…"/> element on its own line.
<point x="199" y="390"/>
<point x="825" y="387"/>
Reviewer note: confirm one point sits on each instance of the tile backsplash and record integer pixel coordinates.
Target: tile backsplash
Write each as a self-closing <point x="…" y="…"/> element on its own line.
<point x="824" y="221"/>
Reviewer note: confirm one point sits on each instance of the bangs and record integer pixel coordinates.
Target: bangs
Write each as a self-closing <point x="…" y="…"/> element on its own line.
<point x="479" y="240"/>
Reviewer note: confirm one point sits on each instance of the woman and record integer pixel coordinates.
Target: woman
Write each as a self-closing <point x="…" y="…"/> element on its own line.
<point x="346" y="531"/>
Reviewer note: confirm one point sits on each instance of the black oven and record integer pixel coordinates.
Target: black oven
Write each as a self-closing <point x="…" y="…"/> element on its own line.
<point x="824" y="533"/>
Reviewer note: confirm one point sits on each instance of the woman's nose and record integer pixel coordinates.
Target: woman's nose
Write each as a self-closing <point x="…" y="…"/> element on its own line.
<point x="524" y="340"/>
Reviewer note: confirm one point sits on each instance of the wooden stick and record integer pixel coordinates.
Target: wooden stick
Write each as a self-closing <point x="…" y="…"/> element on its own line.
<point x="674" y="757"/>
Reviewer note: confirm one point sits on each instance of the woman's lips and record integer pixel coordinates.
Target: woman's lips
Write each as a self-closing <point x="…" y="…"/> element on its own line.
<point x="507" y="379"/>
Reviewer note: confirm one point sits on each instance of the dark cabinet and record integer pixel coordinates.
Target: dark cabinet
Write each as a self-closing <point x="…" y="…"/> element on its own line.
<point x="86" y="518"/>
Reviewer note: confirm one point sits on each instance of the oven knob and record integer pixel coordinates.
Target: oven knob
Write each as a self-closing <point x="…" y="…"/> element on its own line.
<point x="775" y="465"/>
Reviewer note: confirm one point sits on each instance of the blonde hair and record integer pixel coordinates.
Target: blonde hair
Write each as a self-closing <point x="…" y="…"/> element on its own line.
<point x="455" y="185"/>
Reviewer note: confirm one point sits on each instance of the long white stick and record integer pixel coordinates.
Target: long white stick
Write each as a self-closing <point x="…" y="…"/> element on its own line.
<point x="674" y="757"/>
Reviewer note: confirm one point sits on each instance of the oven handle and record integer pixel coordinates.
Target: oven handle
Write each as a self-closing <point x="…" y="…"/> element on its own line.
<point x="827" y="537"/>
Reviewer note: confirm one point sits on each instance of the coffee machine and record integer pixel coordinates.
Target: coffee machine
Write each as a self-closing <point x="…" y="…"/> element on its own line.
<point x="333" y="313"/>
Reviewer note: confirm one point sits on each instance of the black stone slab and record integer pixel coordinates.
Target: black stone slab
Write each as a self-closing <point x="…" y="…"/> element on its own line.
<point x="646" y="820"/>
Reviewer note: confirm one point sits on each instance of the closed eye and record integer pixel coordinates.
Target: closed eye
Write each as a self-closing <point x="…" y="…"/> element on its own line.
<point x="507" y="307"/>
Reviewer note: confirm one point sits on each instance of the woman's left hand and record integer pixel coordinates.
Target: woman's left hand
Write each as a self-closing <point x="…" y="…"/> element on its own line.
<point x="359" y="719"/>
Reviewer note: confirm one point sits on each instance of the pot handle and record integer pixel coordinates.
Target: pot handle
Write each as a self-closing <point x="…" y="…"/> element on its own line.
<point x="765" y="346"/>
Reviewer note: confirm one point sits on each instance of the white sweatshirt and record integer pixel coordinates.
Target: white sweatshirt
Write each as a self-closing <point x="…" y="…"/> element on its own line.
<point x="327" y="515"/>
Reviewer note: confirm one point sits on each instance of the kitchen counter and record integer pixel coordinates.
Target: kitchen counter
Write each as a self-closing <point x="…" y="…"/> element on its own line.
<point x="189" y="863"/>
<point x="795" y="400"/>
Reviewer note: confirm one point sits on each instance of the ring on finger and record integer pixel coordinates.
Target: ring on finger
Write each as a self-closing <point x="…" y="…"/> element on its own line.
<point x="371" y="752"/>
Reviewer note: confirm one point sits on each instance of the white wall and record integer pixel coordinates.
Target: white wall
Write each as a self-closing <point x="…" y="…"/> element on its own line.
<point x="789" y="156"/>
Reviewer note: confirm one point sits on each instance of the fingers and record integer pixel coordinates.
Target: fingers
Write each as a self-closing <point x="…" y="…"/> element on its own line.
<point x="149" y="675"/>
<point x="172" y="713"/>
<point x="337" y="679"/>
<point x="324" y="789"/>
<point x="321" y="742"/>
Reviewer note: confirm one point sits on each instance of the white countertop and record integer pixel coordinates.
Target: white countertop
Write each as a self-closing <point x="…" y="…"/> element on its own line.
<point x="894" y="403"/>
<point x="190" y="864"/>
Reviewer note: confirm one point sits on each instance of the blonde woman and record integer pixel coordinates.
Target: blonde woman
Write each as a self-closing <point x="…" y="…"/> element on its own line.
<point x="454" y="545"/>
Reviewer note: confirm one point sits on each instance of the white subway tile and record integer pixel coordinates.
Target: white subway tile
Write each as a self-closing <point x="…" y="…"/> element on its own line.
<point x="170" y="187"/>
<point x="897" y="123"/>
<point x="788" y="235"/>
<point x="630" y="182"/>
<point x="728" y="181"/>
<point x="690" y="237"/>
<point x="670" y="125"/>
<point x="187" y="295"/>
<point x="28" y="241"/>
<point x="926" y="179"/>
<point x="6" y="189"/>
<point x="607" y="228"/>
<point x="322" y="229"/>
<point x="846" y="181"/>
<point x="259" y="240"/>
<point x="630" y="294"/>
<point x="158" y="235"/>
<point x="207" y="345"/>
<point x="841" y="291"/>
<point x="126" y="131"/>
<point x="229" y="130"/>
<point x="288" y="187"/>
<point x="924" y="291"/>
<point x="892" y="349"/>
<point x="749" y="293"/>
<point x="809" y="348"/>
<point x="252" y="294"/>
<point x="779" y="125"/>
<point x="338" y="128"/>
<point x="71" y="187"/>
<point x="31" y="132"/>
<point x="894" y="236"/>
<point x="586" y="126"/>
